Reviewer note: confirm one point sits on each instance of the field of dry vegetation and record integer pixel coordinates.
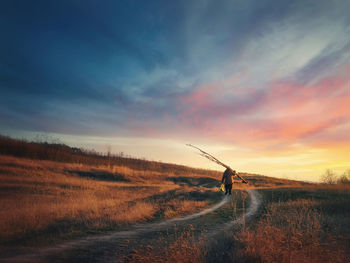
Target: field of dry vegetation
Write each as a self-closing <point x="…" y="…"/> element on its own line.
<point x="44" y="200"/>
<point x="308" y="224"/>
<point x="52" y="193"/>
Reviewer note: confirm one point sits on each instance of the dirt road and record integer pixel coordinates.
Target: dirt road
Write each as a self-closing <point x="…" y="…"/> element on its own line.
<point x="47" y="253"/>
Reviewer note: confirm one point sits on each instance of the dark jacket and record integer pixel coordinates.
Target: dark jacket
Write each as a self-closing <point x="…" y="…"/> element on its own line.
<point x="227" y="177"/>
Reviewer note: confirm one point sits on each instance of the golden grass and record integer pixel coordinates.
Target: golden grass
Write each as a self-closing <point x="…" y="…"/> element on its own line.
<point x="44" y="201"/>
<point x="40" y="198"/>
<point x="186" y="249"/>
<point x="182" y="247"/>
<point x="291" y="232"/>
<point x="180" y="207"/>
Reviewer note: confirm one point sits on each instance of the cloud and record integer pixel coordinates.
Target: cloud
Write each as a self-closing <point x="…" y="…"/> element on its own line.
<point x="285" y="112"/>
<point x="170" y="66"/>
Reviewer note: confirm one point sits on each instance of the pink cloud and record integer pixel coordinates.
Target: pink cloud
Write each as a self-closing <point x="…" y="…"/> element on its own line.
<point x="284" y="112"/>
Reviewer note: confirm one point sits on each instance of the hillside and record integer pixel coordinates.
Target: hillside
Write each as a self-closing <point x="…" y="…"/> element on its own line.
<point x="52" y="194"/>
<point x="66" y="154"/>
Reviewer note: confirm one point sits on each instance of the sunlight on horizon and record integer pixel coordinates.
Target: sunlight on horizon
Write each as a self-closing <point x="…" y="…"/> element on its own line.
<point x="308" y="165"/>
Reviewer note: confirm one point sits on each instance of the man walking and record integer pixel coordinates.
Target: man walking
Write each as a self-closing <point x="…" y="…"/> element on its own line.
<point x="227" y="179"/>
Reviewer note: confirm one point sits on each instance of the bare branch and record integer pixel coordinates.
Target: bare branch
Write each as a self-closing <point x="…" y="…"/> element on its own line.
<point x="215" y="160"/>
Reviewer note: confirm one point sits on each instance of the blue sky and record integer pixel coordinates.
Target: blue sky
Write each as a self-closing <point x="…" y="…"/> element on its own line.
<point x="246" y="79"/>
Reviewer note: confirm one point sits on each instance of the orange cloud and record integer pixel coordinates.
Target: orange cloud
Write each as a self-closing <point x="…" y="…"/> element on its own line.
<point x="284" y="112"/>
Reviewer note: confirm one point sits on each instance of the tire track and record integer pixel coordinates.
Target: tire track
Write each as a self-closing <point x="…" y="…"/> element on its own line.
<point x="255" y="201"/>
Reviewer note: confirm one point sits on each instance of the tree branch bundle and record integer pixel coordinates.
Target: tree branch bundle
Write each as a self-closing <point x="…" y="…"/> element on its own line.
<point x="215" y="160"/>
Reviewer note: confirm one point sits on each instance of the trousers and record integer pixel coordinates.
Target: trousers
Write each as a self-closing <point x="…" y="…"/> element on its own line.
<point x="228" y="188"/>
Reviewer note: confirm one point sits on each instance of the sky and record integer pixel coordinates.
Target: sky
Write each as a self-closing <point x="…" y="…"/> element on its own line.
<point x="262" y="85"/>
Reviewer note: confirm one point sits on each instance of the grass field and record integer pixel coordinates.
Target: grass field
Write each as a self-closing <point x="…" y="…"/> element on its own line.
<point x="49" y="201"/>
<point x="308" y="224"/>
<point x="43" y="200"/>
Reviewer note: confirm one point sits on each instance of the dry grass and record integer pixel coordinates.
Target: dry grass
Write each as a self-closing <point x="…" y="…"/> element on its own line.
<point x="181" y="247"/>
<point x="308" y="224"/>
<point x="45" y="198"/>
<point x="186" y="249"/>
<point x="43" y="201"/>
<point x="180" y="207"/>
<point x="263" y="182"/>
<point x="291" y="232"/>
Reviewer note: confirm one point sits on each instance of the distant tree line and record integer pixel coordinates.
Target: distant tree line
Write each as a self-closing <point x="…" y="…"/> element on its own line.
<point x="63" y="153"/>
<point x="330" y="177"/>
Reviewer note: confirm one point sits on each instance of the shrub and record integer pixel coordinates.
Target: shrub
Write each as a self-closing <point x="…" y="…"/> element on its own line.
<point x="345" y="178"/>
<point x="329" y="177"/>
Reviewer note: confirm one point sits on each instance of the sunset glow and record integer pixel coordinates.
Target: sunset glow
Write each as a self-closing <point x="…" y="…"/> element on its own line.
<point x="262" y="85"/>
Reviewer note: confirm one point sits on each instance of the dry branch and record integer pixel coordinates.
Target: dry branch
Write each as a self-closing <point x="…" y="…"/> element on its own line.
<point x="215" y="160"/>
